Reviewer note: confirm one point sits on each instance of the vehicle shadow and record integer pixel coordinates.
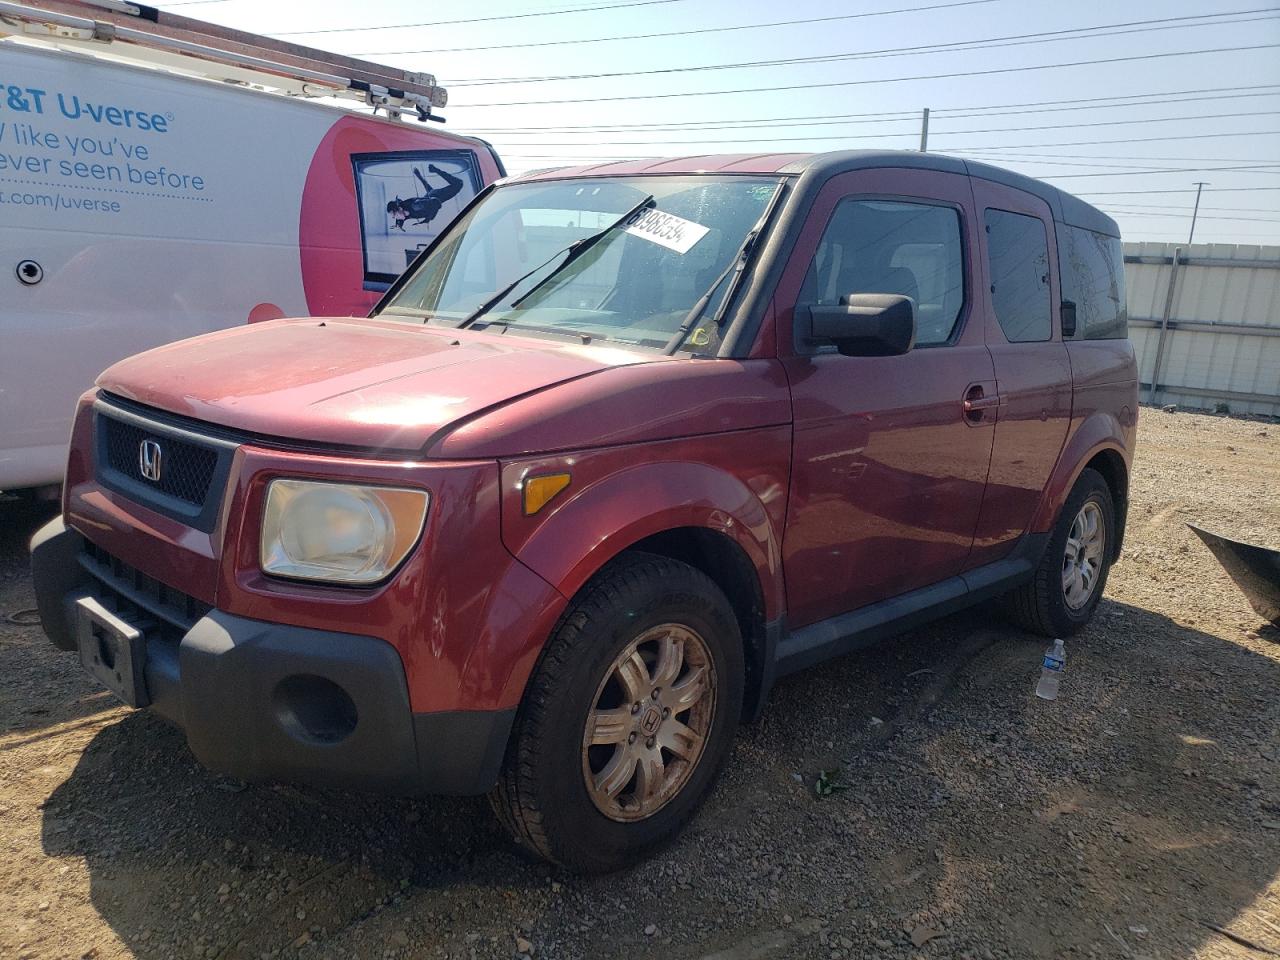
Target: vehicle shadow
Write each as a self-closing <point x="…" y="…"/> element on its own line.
<point x="27" y="662"/>
<point x="1131" y="809"/>
<point x="1142" y="800"/>
<point x="19" y="519"/>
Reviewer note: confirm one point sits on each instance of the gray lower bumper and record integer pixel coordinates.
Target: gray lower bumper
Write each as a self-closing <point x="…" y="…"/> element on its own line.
<point x="268" y="701"/>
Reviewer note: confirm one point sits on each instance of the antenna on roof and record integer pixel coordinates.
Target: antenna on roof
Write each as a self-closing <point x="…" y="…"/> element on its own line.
<point x="142" y="34"/>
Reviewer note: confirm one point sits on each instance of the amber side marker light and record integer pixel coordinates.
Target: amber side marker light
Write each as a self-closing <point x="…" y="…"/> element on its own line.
<point x="539" y="491"/>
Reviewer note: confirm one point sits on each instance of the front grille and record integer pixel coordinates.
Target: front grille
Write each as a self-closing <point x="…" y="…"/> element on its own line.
<point x="194" y="467"/>
<point x="186" y="469"/>
<point x="156" y="608"/>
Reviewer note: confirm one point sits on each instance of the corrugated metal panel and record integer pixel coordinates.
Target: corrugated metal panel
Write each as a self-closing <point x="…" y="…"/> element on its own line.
<point x="1199" y="367"/>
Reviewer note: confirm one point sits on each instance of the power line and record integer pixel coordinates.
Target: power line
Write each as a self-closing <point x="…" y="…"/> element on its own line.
<point x="1187" y="210"/>
<point x="1091" y="103"/>
<point x="855" y="83"/>
<point x="1181" y="237"/>
<point x="1114" y="211"/>
<point x="1264" y="168"/>
<point x="1186" y="190"/>
<point x="1052" y="157"/>
<point x="996" y="157"/>
<point x="446" y="23"/>
<point x="996" y="149"/>
<point x="947" y="133"/>
<point x="1174" y="96"/>
<point x="1230" y="235"/>
<point x="1147" y="232"/>
<point x="1251" y="168"/>
<point x="1085" y="143"/>
<point x="987" y="43"/>
<point x="672" y="33"/>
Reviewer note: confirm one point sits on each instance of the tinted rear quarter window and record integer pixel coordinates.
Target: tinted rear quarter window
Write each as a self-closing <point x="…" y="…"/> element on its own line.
<point x="1018" y="259"/>
<point x="1092" y="268"/>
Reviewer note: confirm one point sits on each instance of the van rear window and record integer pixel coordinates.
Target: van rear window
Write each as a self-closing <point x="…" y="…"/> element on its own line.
<point x="1092" y="267"/>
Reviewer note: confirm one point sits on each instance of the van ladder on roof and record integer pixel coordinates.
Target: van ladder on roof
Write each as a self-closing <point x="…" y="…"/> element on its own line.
<point x="140" y="34"/>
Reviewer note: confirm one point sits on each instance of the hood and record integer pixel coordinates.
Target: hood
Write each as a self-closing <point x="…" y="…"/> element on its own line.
<point x="378" y="384"/>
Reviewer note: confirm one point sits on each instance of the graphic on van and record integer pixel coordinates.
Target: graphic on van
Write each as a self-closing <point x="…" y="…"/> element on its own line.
<point x="405" y="198"/>
<point x="423" y="209"/>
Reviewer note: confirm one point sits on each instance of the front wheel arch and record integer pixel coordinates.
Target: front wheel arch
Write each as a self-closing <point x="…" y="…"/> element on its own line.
<point x="540" y="798"/>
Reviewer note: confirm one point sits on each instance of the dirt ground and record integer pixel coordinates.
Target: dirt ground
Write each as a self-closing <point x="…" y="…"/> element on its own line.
<point x="1137" y="816"/>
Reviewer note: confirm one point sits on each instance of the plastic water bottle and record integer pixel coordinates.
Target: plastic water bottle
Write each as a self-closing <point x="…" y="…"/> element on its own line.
<point x="1055" y="660"/>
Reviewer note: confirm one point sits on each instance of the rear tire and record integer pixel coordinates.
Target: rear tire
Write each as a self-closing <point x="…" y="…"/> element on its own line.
<point x="1062" y="596"/>
<point x="620" y="738"/>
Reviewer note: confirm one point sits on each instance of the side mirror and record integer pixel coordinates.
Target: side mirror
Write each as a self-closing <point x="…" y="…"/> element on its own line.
<point x="1068" y="314"/>
<point x="866" y="324"/>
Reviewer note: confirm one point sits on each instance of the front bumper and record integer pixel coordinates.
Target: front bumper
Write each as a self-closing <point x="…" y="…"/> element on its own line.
<point x="268" y="701"/>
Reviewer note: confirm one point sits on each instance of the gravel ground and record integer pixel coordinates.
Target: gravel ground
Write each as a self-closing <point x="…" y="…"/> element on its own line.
<point x="1137" y="816"/>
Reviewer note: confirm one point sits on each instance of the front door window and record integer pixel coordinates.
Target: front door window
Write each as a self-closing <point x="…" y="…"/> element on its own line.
<point x="893" y="246"/>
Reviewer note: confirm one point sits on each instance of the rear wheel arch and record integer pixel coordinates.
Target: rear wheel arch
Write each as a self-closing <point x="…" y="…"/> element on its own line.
<point x="1110" y="464"/>
<point x="1073" y="563"/>
<point x="1099" y="444"/>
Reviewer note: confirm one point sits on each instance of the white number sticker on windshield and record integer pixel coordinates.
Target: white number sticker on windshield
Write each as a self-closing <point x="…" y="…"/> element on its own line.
<point x="666" y="229"/>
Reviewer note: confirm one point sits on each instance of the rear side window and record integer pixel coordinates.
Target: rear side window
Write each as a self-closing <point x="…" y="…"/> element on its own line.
<point x="1092" y="268"/>
<point x="1018" y="259"/>
<point x="891" y="246"/>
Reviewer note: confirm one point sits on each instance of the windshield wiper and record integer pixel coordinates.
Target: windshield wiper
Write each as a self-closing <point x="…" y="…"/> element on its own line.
<point x="574" y="251"/>
<point x="414" y="312"/>
<point x="580" y="247"/>
<point x="736" y="266"/>
<point x="738" y="262"/>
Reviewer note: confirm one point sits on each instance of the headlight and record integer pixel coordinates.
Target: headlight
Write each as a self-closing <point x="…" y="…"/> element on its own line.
<point x="338" y="532"/>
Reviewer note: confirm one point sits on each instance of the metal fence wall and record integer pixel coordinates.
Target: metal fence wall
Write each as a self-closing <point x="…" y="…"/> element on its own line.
<point x="1205" y="321"/>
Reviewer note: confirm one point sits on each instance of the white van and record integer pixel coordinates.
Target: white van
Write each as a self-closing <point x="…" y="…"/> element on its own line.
<point x="139" y="206"/>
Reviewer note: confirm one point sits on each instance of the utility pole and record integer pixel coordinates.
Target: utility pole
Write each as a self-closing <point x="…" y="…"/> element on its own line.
<point x="924" y="131"/>
<point x="1200" y="185"/>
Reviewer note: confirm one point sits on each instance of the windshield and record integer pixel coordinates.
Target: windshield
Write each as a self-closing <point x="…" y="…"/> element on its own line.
<point x="559" y="257"/>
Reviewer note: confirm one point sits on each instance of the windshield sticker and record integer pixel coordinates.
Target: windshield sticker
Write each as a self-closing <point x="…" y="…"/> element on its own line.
<point x="666" y="229"/>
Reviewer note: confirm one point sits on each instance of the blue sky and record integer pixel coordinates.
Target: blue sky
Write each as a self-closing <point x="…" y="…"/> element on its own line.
<point x="1206" y="132"/>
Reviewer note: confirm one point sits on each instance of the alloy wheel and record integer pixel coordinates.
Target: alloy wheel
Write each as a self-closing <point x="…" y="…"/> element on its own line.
<point x="1082" y="560"/>
<point x="649" y="722"/>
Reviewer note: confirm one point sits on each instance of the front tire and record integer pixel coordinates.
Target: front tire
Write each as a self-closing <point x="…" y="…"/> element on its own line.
<point x="627" y="719"/>
<point x="1062" y="596"/>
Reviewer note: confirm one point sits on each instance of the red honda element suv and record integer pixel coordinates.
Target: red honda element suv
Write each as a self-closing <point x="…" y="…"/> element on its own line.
<point x="623" y="446"/>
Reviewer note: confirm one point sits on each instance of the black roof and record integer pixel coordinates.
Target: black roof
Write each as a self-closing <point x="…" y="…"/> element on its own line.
<point x="1066" y="208"/>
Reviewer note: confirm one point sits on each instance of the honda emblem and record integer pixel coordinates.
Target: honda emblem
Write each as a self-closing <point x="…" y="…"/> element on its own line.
<point x="149" y="460"/>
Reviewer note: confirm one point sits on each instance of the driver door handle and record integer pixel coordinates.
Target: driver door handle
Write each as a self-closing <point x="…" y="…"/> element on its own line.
<point x="977" y="402"/>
